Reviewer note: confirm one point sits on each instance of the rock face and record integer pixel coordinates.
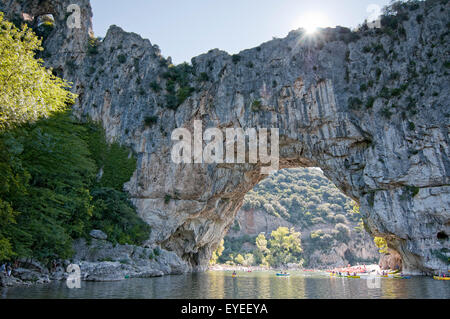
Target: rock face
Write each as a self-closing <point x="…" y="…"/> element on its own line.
<point x="100" y="260"/>
<point x="370" y="108"/>
<point x="392" y="260"/>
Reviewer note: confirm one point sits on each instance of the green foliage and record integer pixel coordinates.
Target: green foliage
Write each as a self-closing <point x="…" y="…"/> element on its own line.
<point x="409" y="192"/>
<point x="385" y="112"/>
<point x="150" y="120"/>
<point x="122" y="58"/>
<point x="115" y="215"/>
<point x="183" y="93"/>
<point x="178" y="84"/>
<point x="381" y="243"/>
<point x="235" y="58"/>
<point x="203" y="77"/>
<point x="256" y="105"/>
<point x="217" y="253"/>
<point x="92" y="47"/>
<point x="116" y="161"/>
<point x="354" y="103"/>
<point x="28" y="90"/>
<point x="50" y="169"/>
<point x="155" y="87"/>
<point x="284" y="246"/>
<point x="49" y="192"/>
<point x="300" y="196"/>
<point x="370" y="101"/>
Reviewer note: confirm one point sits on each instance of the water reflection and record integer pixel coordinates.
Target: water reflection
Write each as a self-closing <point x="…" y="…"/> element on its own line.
<point x="258" y="285"/>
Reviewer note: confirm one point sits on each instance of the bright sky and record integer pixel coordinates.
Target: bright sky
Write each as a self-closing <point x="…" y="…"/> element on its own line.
<point x="186" y="28"/>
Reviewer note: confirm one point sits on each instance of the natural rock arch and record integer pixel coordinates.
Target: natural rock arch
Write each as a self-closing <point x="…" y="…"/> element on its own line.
<point x="353" y="104"/>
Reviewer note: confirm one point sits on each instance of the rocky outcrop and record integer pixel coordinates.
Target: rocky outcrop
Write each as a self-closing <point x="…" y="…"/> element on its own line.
<point x="370" y="108"/>
<point x="100" y="260"/>
<point x="391" y="260"/>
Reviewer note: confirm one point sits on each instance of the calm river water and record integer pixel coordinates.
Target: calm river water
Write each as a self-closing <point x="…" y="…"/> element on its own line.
<point x="264" y="285"/>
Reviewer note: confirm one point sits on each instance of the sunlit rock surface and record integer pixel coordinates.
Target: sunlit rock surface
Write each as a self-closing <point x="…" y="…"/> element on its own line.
<point x="390" y="154"/>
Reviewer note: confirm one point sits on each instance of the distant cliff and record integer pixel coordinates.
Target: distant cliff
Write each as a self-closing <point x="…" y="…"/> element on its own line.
<point x="306" y="200"/>
<point x="370" y="108"/>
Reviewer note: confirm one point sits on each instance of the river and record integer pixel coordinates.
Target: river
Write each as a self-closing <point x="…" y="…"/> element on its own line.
<point x="255" y="285"/>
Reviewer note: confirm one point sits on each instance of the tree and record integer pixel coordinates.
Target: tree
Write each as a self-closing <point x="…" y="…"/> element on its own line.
<point x="343" y="232"/>
<point x="239" y="259"/>
<point x="381" y="243"/>
<point x="217" y="253"/>
<point x="249" y="260"/>
<point x="261" y="243"/>
<point x="285" y="247"/>
<point x="29" y="90"/>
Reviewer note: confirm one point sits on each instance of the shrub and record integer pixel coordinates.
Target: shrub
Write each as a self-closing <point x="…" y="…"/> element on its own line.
<point x="256" y="105"/>
<point x="183" y="93"/>
<point x="363" y="87"/>
<point x="92" y="47"/>
<point x="203" y="77"/>
<point x="396" y="92"/>
<point x="384" y="93"/>
<point x="235" y="58"/>
<point x="385" y="112"/>
<point x="354" y="103"/>
<point x="150" y="120"/>
<point x="122" y="58"/>
<point x="155" y="87"/>
<point x="370" y="102"/>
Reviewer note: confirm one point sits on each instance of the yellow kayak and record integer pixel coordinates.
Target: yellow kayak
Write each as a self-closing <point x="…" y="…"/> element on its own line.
<point x="441" y="278"/>
<point x="353" y="276"/>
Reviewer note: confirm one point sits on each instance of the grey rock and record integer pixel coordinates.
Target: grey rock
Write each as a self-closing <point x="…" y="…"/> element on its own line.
<point x="29" y="275"/>
<point x="392" y="156"/>
<point x="102" y="261"/>
<point x="11" y="281"/>
<point x="98" y="234"/>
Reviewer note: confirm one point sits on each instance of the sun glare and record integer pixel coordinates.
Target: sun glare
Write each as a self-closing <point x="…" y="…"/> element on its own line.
<point x="311" y="21"/>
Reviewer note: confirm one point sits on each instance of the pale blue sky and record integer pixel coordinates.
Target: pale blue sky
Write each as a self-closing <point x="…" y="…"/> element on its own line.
<point x="186" y="28"/>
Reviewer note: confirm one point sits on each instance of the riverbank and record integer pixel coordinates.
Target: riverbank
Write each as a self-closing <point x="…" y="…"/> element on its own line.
<point x="99" y="260"/>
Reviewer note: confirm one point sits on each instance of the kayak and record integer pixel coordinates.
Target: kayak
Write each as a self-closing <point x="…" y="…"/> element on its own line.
<point x="283" y="275"/>
<point x="353" y="276"/>
<point x="401" y="277"/>
<point x="441" y="278"/>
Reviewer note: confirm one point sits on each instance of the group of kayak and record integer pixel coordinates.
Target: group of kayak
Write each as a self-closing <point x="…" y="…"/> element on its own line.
<point x="394" y="274"/>
<point x="278" y="274"/>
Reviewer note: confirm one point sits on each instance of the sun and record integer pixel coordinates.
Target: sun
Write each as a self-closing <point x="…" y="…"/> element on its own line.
<point x="311" y="21"/>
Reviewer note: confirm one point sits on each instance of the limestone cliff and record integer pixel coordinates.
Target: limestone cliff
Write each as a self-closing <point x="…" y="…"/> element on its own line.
<point x="370" y="108"/>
